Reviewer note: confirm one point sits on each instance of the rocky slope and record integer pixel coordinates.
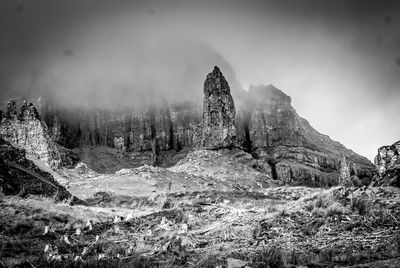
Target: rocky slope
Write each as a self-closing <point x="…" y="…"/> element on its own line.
<point x="21" y="176"/>
<point x="388" y="164"/>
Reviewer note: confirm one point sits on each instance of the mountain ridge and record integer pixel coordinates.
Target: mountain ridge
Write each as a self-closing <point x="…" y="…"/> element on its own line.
<point x="265" y="124"/>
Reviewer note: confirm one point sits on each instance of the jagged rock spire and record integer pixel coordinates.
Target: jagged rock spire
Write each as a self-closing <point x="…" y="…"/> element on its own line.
<point x="218" y="119"/>
<point x="11" y="112"/>
<point x="25" y="130"/>
<point x="28" y="111"/>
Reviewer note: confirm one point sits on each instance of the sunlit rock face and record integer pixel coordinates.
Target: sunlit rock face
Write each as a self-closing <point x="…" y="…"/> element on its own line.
<point x="388" y="164"/>
<point x="297" y="153"/>
<point x="25" y="130"/>
<point x="217" y="129"/>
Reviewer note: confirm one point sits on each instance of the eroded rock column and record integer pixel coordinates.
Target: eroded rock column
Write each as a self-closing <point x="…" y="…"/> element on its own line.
<point x="217" y="129"/>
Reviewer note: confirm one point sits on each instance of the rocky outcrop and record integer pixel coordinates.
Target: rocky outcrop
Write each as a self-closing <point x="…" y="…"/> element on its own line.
<point x="265" y="125"/>
<point x="217" y="129"/>
<point x="297" y="153"/>
<point x="20" y="176"/>
<point x="387" y="163"/>
<point x="25" y="130"/>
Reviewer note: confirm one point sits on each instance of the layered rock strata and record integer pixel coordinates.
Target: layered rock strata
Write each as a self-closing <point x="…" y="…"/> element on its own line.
<point x="128" y="130"/>
<point x="297" y="153"/>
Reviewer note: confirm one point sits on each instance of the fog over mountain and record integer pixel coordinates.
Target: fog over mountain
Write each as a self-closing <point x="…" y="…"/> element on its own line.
<point x="338" y="60"/>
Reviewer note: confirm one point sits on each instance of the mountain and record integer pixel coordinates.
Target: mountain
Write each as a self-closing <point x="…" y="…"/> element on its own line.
<point x="296" y="152"/>
<point x="261" y="122"/>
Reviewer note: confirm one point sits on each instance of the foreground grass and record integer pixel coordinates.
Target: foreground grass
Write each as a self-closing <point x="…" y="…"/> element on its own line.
<point x="281" y="227"/>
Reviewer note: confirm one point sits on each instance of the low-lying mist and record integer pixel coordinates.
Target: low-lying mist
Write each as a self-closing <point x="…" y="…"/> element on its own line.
<point x="112" y="75"/>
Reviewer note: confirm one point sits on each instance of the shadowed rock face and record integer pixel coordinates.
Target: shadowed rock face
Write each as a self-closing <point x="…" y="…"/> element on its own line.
<point x="388" y="164"/>
<point x="217" y="128"/>
<point x="20" y="176"/>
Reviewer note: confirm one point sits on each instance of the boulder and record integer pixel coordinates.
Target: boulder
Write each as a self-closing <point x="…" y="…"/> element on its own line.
<point x="235" y="263"/>
<point x="387" y="163"/>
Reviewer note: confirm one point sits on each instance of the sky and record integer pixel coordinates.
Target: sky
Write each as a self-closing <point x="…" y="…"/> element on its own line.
<point x="338" y="60"/>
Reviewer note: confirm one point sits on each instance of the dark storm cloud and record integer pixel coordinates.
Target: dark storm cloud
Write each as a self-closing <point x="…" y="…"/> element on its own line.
<point x="339" y="60"/>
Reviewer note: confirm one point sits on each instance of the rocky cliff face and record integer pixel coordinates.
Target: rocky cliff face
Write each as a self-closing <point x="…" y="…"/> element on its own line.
<point x="24" y="129"/>
<point x="20" y="176"/>
<point x="128" y="130"/>
<point x="297" y="153"/>
<point x="265" y="125"/>
<point x="387" y="163"/>
<point x="217" y="129"/>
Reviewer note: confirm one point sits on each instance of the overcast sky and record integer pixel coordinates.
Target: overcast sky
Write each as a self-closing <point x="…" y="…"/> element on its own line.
<point x="338" y="60"/>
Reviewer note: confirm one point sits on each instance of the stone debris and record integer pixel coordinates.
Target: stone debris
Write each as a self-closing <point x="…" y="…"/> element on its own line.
<point x="235" y="263"/>
<point x="183" y="229"/>
<point x="78" y="259"/>
<point x="85" y="251"/>
<point x="83" y="170"/>
<point x="89" y="224"/>
<point x="66" y="239"/>
<point x="78" y="231"/>
<point x="165" y="224"/>
<point x="46" y="230"/>
<point x="117" y="219"/>
<point x="129" y="217"/>
<point x="46" y="248"/>
<point x="124" y="171"/>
